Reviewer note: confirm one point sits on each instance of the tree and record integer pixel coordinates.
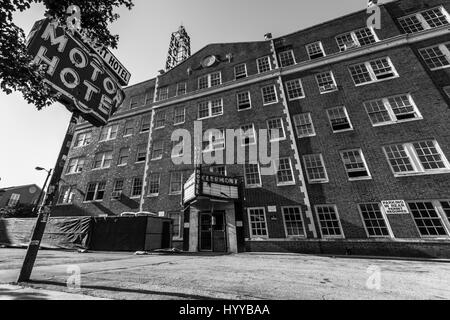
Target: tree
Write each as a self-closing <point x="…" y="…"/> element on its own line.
<point x="17" y="72"/>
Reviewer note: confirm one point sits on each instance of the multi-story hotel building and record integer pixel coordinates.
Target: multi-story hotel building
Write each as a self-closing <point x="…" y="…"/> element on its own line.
<point x="364" y="141"/>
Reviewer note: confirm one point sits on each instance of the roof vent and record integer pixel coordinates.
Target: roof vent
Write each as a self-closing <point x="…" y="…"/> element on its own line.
<point x="268" y="36"/>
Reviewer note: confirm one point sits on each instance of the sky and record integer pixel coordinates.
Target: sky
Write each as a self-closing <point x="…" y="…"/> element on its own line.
<point x="30" y="138"/>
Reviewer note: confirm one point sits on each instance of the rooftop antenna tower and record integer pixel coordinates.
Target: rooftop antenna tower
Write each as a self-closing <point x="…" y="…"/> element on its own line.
<point x="179" y="49"/>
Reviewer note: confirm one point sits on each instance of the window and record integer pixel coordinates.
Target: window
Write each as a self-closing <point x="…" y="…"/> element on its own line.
<point x="177" y="224"/>
<point x="160" y="119"/>
<point x="355" y="164"/>
<point x="373" y="71"/>
<point x="339" y="119"/>
<point x="277" y="126"/>
<point x="264" y="64"/>
<point x="146" y="123"/>
<point x="244" y="101"/>
<point x="181" y="88"/>
<point x="240" y="71"/>
<point x="95" y="191"/>
<point x="436" y="57"/>
<point x="210" y="80"/>
<point x="446" y="207"/>
<point x="141" y="154"/>
<point x="416" y="158"/>
<point x="103" y="160"/>
<point x="124" y="154"/>
<point x="392" y="110"/>
<point x="355" y="39"/>
<point x="117" y="189"/>
<point x="137" y="101"/>
<point x="136" y="188"/>
<point x="129" y="128"/>
<point x="257" y="219"/>
<point x="163" y="93"/>
<point x="252" y="175"/>
<point x="214" y="140"/>
<point x="179" y="116"/>
<point x="14" y="200"/>
<point x="248" y="135"/>
<point x="154" y="183"/>
<point x="326" y="82"/>
<point x="287" y="58"/>
<point x="428" y="219"/>
<point x="66" y="194"/>
<point x="209" y="109"/>
<point x="285" y="174"/>
<point x="269" y="95"/>
<point x="423" y="20"/>
<point x="178" y="148"/>
<point x="315" y="50"/>
<point x="176" y="183"/>
<point x="76" y="165"/>
<point x="374" y="220"/>
<point x="149" y="97"/>
<point x="109" y="133"/>
<point x="447" y="91"/>
<point x="219" y="170"/>
<point x="304" y="125"/>
<point x="329" y="223"/>
<point x="83" y="139"/>
<point x="294" y="89"/>
<point x="293" y="222"/>
<point x="158" y="150"/>
<point x="315" y="168"/>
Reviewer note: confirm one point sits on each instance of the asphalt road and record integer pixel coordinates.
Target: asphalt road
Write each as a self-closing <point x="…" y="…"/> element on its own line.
<point x="243" y="276"/>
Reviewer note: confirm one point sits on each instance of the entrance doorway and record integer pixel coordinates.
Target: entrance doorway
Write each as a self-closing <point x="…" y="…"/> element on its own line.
<point x="213" y="232"/>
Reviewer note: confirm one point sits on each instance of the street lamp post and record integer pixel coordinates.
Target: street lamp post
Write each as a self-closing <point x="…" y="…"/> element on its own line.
<point x="38" y="233"/>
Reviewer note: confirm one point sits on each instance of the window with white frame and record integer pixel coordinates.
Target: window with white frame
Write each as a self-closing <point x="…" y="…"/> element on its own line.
<point x="95" y="191"/>
<point x="243" y="100"/>
<point x="328" y="217"/>
<point x="163" y="93"/>
<point x="117" y="189"/>
<point x="181" y="88"/>
<point x="264" y="64"/>
<point x="176" y="183"/>
<point x="214" y="140"/>
<point x="315" y="168"/>
<point x="210" y="80"/>
<point x="66" y="194"/>
<point x="179" y="116"/>
<point x="269" y="94"/>
<point x="436" y="57"/>
<point x="83" y="139"/>
<point x="293" y="221"/>
<point x="76" y="165"/>
<point x="257" y="222"/>
<point x="373" y="71"/>
<point x="219" y="170"/>
<point x="240" y="71"/>
<point x="285" y="174"/>
<point x="339" y="119"/>
<point x="447" y="91"/>
<point x="209" y="109"/>
<point x="146" y="123"/>
<point x="129" y="128"/>
<point x="177" y="230"/>
<point x="294" y="89"/>
<point x="276" y="125"/>
<point x="392" y="110"/>
<point x="103" y="160"/>
<point x="304" y="125"/>
<point x="109" y="133"/>
<point x="154" y="184"/>
<point x="141" y="153"/>
<point x="287" y="58"/>
<point x="160" y="119"/>
<point x="423" y="20"/>
<point x="446" y="207"/>
<point x="157" y="150"/>
<point x="355" y="164"/>
<point x="14" y="200"/>
<point x="326" y="82"/>
<point x="178" y="148"/>
<point x="136" y="188"/>
<point x="416" y="158"/>
<point x="137" y="101"/>
<point x="248" y="135"/>
<point x="149" y="96"/>
<point x="428" y="219"/>
<point x="315" y="50"/>
<point x="124" y="155"/>
<point x="374" y="220"/>
<point x="252" y="175"/>
<point x="355" y="39"/>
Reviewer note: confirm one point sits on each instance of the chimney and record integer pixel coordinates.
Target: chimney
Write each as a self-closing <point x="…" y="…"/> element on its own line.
<point x="268" y="36"/>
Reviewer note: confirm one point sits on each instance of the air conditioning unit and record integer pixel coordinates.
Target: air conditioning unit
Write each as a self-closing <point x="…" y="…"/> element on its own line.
<point x="328" y="87"/>
<point x="350" y="45"/>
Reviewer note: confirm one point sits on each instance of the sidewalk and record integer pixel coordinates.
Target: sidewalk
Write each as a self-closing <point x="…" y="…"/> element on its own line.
<point x="11" y="292"/>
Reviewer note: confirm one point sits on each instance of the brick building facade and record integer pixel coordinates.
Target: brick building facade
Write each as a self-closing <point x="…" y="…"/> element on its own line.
<point x="362" y="116"/>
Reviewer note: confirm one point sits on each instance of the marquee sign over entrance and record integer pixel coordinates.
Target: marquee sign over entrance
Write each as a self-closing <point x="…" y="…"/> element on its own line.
<point x="76" y="73"/>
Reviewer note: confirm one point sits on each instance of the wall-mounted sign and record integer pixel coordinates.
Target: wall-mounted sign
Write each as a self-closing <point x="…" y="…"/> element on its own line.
<point x="123" y="75"/>
<point x="75" y="72"/>
<point x="272" y="208"/>
<point x="395" y="207"/>
<point x="209" y="61"/>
